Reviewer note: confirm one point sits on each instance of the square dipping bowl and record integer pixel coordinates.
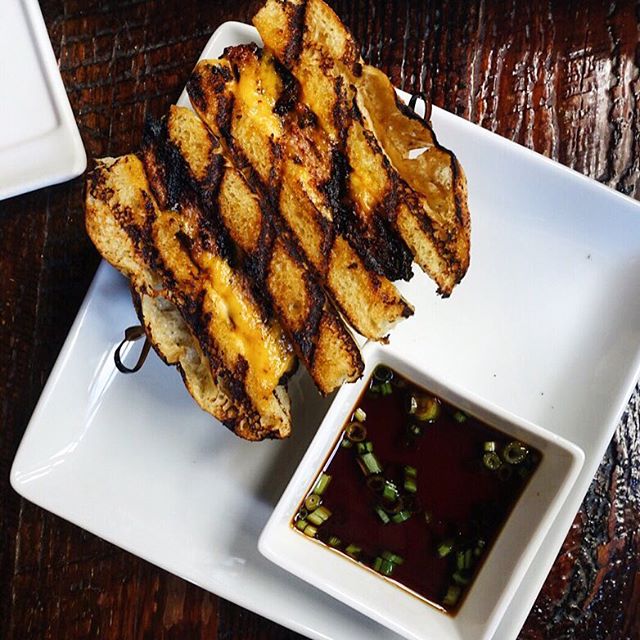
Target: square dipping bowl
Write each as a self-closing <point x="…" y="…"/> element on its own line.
<point x="380" y="598"/>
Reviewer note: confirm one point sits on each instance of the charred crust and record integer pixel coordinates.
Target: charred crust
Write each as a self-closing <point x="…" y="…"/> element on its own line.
<point x="290" y="92"/>
<point x="339" y="112"/>
<point x="296" y="19"/>
<point x="196" y="92"/>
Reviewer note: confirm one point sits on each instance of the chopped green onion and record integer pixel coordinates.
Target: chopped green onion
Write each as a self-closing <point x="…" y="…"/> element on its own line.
<point x="322" y="483"/>
<point x="392" y="557"/>
<point x="353" y="550"/>
<point x="346" y="443"/>
<point x="376" y="483"/>
<point x="334" y="541"/>
<point x="360" y="415"/>
<point x="382" y="514"/>
<point x="480" y="545"/>
<point x="369" y="463"/>
<point x="489" y="446"/>
<point x="452" y="595"/>
<point x="356" y="432"/>
<point x="319" y="516"/>
<point x="375" y="389"/>
<point x="410" y="485"/>
<point x="310" y="531"/>
<point x="445" y="548"/>
<point x="301" y="524"/>
<point x="390" y="491"/>
<point x="383" y="374"/>
<point x="312" y="501"/>
<point x="467" y="559"/>
<point x="460" y="416"/>
<point x="410" y="474"/>
<point x="460" y="560"/>
<point x="515" y="452"/>
<point x="415" y="429"/>
<point x="401" y="516"/>
<point x="460" y="578"/>
<point x="386" y="567"/>
<point x="428" y="408"/>
<point x="364" y="447"/>
<point x="386" y="389"/>
<point x="410" y="471"/>
<point x="377" y="563"/>
<point x="491" y="460"/>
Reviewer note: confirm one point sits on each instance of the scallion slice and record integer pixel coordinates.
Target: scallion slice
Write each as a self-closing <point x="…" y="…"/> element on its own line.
<point x="489" y="446"/>
<point x="382" y="514"/>
<point x="410" y="474"/>
<point x="369" y="463"/>
<point x="383" y="374"/>
<point x="390" y="491"/>
<point x="386" y="567"/>
<point x="312" y="501"/>
<point x="428" y="408"/>
<point x="445" y="548"/>
<point x="301" y="524"/>
<point x="353" y="550"/>
<point x="322" y="483"/>
<point x="310" y="531"/>
<point x="346" y="443"/>
<point x="460" y="578"/>
<point x="334" y="541"/>
<point x="515" y="452"/>
<point x="319" y="516"/>
<point x="460" y="416"/>
<point x="491" y="460"/>
<point x="360" y="415"/>
<point x="401" y="516"/>
<point x="410" y="485"/>
<point x="356" y="432"/>
<point x="452" y="595"/>
<point x="364" y="447"/>
<point x="415" y="429"/>
<point x="377" y="563"/>
<point x="386" y="389"/>
<point x="392" y="557"/>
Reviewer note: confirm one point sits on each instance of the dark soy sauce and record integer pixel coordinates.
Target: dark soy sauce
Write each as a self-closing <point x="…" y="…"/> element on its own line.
<point x="456" y="513"/>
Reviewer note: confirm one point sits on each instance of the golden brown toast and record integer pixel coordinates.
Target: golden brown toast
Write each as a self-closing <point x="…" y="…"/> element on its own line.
<point x="250" y="101"/>
<point x="267" y="255"/>
<point x="399" y="171"/>
<point x="197" y="310"/>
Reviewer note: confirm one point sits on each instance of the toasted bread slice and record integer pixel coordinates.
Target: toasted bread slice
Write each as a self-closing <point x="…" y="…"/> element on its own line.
<point x="289" y="159"/>
<point x="399" y="170"/>
<point x="170" y="254"/>
<point x="290" y="290"/>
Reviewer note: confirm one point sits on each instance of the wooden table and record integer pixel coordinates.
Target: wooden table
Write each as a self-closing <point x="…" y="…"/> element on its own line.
<point x="559" y="77"/>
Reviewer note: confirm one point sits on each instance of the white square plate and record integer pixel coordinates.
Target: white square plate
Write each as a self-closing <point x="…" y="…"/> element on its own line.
<point x="545" y="325"/>
<point x="39" y="140"/>
<point x="508" y="557"/>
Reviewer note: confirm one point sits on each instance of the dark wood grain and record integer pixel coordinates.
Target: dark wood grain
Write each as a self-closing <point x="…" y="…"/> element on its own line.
<point x="560" y="77"/>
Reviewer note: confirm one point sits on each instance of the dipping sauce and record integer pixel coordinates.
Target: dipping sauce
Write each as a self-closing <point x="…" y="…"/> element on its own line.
<point x="416" y="490"/>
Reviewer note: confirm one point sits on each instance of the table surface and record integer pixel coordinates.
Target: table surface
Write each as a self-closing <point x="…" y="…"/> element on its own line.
<point x="561" y="77"/>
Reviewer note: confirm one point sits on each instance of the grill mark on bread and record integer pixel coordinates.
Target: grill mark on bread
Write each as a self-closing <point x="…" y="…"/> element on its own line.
<point x="258" y="262"/>
<point x="435" y="227"/>
<point x="260" y="413"/>
<point x="286" y="133"/>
